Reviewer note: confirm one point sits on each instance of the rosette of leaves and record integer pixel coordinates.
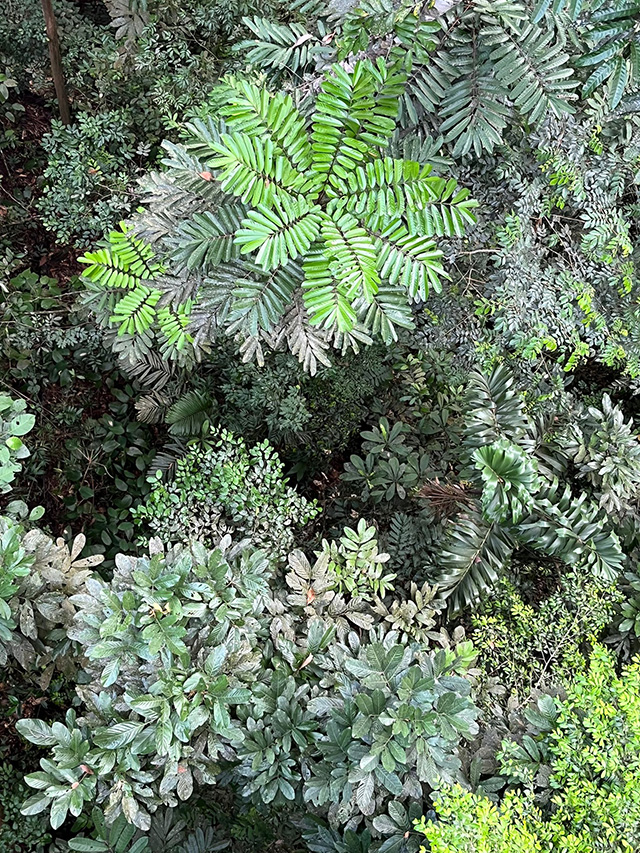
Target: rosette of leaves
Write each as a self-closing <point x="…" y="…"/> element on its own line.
<point x="392" y="727"/>
<point x="283" y="230"/>
<point x="313" y="591"/>
<point x="606" y="452"/>
<point x="356" y="563"/>
<point x="171" y="650"/>
<point x="392" y="466"/>
<point x="15" y="422"/>
<point x="413" y="617"/>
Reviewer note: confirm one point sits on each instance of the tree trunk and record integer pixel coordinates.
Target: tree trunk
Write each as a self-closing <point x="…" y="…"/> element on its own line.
<point x="56" y="62"/>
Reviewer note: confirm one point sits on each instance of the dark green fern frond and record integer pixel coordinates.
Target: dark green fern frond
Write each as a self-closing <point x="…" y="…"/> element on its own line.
<point x="474" y="556"/>
<point x="574" y="530"/>
<point x="207" y="239"/>
<point x="495" y="409"/>
<point x="187" y="416"/>
<point x="279" y="47"/>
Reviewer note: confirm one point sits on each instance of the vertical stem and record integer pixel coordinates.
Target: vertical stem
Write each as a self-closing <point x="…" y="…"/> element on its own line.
<point x="56" y="62"/>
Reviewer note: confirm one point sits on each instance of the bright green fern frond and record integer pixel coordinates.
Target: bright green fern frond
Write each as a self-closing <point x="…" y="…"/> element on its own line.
<point x="351" y="106"/>
<point x="173" y="324"/>
<point x="389" y="186"/>
<point x="123" y="262"/>
<point x="135" y="312"/>
<point x="412" y="262"/>
<point x="251" y="169"/>
<point x="256" y="112"/>
<point x="444" y="210"/>
<point x="279" y="233"/>
<point x="352" y="254"/>
<point x="384" y="186"/>
<point x="324" y="298"/>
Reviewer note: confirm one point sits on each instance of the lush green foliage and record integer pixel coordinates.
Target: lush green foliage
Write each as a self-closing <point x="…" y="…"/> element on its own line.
<point x="282" y="603"/>
<point x="195" y="671"/>
<point x="592" y="752"/>
<point x="18" y="832"/>
<point x="221" y="487"/>
<point x="14" y="423"/>
<point x="340" y="235"/>
<point x="87" y="176"/>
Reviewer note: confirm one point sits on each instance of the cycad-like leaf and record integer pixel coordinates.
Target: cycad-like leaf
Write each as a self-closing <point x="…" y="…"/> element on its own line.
<point x="472" y="559"/>
<point x="475" y="112"/>
<point x="309" y="346"/>
<point x="324" y="297"/>
<point x="352" y="253"/>
<point x="279" y="233"/>
<point x="188" y="414"/>
<point x="349" y="119"/>
<point x="509" y="480"/>
<point x="495" y="409"/>
<point x="259" y="302"/>
<point x="573" y="529"/>
<point x="257" y="112"/>
<point x="414" y="262"/>
<point x="278" y="46"/>
<point x="387" y="312"/>
<point x="612" y="33"/>
<point x="206" y="240"/>
<point x="135" y="312"/>
<point x="252" y="169"/>
<point x="534" y="68"/>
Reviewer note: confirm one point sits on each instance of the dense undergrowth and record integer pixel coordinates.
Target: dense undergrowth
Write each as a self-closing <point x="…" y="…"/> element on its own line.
<point x="319" y="476"/>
